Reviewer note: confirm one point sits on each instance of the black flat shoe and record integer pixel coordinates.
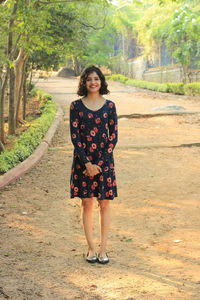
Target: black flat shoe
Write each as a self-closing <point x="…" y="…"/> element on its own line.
<point x="91" y="259"/>
<point x="103" y="260"/>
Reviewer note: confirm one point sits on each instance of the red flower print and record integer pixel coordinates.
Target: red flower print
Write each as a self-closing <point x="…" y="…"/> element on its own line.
<point x="75" y="189"/>
<point x="84" y="183"/>
<point x="114" y="182"/>
<point x="79" y="144"/>
<point x="72" y="186"/>
<point x="109" y="150"/>
<point x="99" y="195"/>
<point x="95" y="129"/>
<point x="84" y="145"/>
<point x="107" y="194"/>
<point x="111" y="104"/>
<point x="75" y="176"/>
<point x="102" y="145"/>
<point x="91" y="149"/>
<point x="91" y="177"/>
<point x="109" y="179"/>
<point x="78" y="166"/>
<point x="75" y="124"/>
<point x="95" y="183"/>
<point x="94" y="146"/>
<point x="105" y="115"/>
<point x="82" y="126"/>
<point x="100" y="154"/>
<point x="93" y="187"/>
<point x="92" y="132"/>
<point x="113" y="135"/>
<point x="89" y="138"/>
<point x="106" y="125"/>
<point x="100" y="163"/>
<point x="111" y="166"/>
<point x="111" y="145"/>
<point x="109" y="184"/>
<point x="80" y="113"/>
<point x="111" y="122"/>
<point x="90" y="115"/>
<point x="89" y="157"/>
<point x="101" y="178"/>
<point x="106" y="169"/>
<point x="73" y="135"/>
<point x="97" y="120"/>
<point x="110" y="192"/>
<point x="104" y="135"/>
<point x="85" y="192"/>
<point x="116" y="127"/>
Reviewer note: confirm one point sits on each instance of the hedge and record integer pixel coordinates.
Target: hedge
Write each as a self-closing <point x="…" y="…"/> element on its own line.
<point x="176" y="88"/>
<point x="32" y="137"/>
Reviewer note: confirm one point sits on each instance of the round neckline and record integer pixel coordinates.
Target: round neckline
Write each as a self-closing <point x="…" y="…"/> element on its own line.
<point x="92" y="109"/>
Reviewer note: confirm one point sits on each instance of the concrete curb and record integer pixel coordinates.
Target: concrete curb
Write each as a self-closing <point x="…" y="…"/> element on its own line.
<point x="28" y="163"/>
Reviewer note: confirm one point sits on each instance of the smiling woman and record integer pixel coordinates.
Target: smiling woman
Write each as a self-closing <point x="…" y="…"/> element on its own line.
<point x="93" y="124"/>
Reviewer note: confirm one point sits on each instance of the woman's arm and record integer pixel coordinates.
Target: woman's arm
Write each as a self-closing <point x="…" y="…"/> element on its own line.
<point x="75" y="135"/>
<point x="113" y="136"/>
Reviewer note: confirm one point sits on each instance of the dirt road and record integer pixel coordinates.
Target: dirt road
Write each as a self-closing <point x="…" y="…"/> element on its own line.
<point x="154" y="244"/>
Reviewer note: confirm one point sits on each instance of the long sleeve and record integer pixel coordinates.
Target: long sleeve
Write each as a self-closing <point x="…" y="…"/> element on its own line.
<point x="75" y="135"/>
<point x="113" y="136"/>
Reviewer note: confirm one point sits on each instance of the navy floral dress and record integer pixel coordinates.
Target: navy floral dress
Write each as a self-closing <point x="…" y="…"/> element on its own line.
<point x="94" y="135"/>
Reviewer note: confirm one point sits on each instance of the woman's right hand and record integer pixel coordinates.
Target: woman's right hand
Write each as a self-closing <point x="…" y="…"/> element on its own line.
<point x="92" y="169"/>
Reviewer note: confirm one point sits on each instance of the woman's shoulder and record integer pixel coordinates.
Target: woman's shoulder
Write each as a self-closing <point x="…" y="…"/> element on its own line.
<point x="110" y="103"/>
<point x="75" y="103"/>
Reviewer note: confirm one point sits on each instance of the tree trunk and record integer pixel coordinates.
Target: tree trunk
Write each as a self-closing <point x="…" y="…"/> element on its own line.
<point x="185" y="69"/>
<point x="19" y="76"/>
<point x="24" y="91"/>
<point x="11" y="117"/>
<point x="76" y="65"/>
<point x="3" y="83"/>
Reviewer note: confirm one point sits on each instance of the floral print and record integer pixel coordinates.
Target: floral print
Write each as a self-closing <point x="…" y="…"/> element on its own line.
<point x="94" y="135"/>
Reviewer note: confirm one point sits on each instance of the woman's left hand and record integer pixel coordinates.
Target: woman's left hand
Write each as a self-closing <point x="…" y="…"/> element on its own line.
<point x="85" y="173"/>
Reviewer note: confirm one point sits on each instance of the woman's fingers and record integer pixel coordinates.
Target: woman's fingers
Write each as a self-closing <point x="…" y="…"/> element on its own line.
<point x="92" y="172"/>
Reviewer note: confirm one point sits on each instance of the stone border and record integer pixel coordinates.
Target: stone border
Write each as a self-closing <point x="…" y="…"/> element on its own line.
<point x="31" y="161"/>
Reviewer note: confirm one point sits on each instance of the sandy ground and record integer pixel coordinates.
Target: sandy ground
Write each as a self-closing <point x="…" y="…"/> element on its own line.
<point x="154" y="240"/>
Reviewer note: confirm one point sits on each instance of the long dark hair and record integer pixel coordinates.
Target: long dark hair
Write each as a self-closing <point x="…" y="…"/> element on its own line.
<point x="82" y="91"/>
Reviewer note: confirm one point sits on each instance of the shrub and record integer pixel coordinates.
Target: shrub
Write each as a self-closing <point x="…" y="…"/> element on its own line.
<point x="31" y="138"/>
<point x="176" y="88"/>
<point x="192" y="88"/>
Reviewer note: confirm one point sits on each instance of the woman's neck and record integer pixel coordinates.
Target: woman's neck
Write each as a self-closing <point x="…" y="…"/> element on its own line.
<point x="93" y="97"/>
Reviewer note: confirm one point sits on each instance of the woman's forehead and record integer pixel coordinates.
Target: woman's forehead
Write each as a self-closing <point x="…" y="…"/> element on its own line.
<point x="93" y="74"/>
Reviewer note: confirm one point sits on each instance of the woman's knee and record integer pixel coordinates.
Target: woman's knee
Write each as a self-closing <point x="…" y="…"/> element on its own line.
<point x="104" y="204"/>
<point x="87" y="203"/>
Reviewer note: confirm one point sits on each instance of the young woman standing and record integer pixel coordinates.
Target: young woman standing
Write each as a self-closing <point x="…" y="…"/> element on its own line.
<point x="94" y="134"/>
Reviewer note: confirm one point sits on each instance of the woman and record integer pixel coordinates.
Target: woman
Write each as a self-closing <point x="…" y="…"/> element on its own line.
<point x="93" y="127"/>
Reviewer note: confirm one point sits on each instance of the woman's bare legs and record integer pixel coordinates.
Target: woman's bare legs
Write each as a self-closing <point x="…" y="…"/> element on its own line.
<point x="104" y="206"/>
<point x="86" y="212"/>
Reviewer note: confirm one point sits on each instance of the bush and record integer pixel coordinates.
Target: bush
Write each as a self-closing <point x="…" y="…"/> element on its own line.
<point x="30" y="139"/>
<point x="192" y="88"/>
<point x="176" y="88"/>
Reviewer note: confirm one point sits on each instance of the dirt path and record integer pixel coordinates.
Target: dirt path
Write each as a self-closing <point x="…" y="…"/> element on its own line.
<point x="154" y="244"/>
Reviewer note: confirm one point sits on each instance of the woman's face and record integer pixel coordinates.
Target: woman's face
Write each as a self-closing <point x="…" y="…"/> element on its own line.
<point x="93" y="83"/>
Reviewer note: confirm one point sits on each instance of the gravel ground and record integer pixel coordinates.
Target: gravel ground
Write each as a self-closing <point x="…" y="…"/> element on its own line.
<point x="154" y="244"/>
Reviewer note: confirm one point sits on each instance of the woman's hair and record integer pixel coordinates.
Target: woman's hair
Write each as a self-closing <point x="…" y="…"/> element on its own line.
<point x="82" y="90"/>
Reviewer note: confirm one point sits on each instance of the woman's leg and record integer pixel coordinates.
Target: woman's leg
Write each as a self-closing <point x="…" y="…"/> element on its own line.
<point x="104" y="206"/>
<point x="86" y="212"/>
